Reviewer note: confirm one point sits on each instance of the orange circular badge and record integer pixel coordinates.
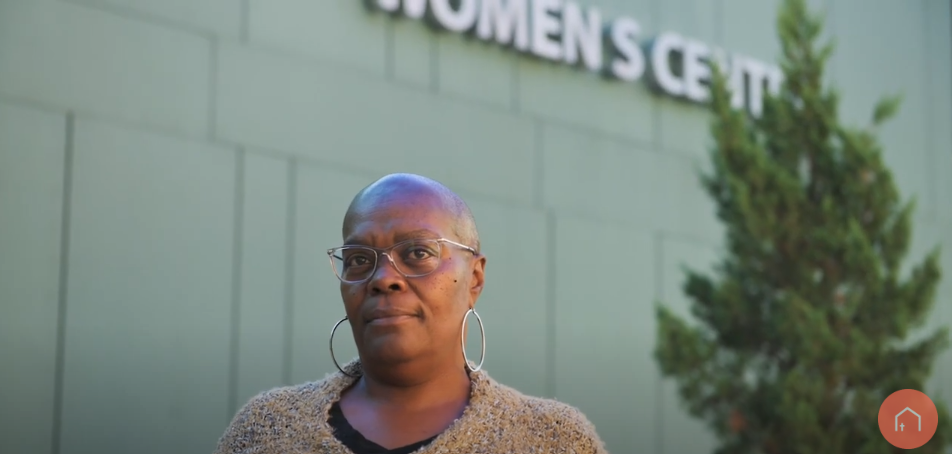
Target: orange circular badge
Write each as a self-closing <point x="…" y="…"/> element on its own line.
<point x="908" y="419"/>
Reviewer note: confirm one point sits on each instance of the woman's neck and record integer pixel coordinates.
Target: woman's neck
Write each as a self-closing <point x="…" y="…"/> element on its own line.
<point x="392" y="410"/>
<point x="409" y="389"/>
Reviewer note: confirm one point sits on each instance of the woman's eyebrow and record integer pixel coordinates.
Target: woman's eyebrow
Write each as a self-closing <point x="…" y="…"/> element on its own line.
<point x="418" y="234"/>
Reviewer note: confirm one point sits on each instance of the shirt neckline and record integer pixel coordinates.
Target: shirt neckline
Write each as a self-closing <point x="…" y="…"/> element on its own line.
<point x="352" y="371"/>
<point x="358" y="443"/>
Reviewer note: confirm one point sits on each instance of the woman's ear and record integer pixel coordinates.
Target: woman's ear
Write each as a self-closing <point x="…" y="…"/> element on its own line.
<point x="479" y="278"/>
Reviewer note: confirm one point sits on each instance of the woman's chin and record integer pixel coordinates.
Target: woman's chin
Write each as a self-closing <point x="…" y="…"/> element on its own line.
<point x="392" y="350"/>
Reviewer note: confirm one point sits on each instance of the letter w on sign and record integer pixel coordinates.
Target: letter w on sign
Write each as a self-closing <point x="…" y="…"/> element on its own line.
<point x="411" y="8"/>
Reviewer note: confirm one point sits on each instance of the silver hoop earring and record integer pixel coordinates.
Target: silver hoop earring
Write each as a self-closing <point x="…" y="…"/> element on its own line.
<point x="482" y="334"/>
<point x="333" y="358"/>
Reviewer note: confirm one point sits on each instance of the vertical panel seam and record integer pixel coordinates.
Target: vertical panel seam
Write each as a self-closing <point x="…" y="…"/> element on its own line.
<point x="659" y="381"/>
<point x="434" y="63"/>
<point x="930" y="161"/>
<point x="289" y="267"/>
<point x="515" y="85"/>
<point x="236" y="278"/>
<point x="213" y="89"/>
<point x="948" y="315"/>
<point x="538" y="185"/>
<point x="63" y="290"/>
<point x="244" y="33"/>
<point x="550" y="292"/>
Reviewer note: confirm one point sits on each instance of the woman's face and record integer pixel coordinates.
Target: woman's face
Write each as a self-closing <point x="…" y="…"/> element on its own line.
<point x="397" y="319"/>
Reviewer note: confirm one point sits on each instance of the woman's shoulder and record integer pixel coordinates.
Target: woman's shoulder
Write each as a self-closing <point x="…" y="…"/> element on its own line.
<point x="273" y="407"/>
<point x="541" y="408"/>
<point x="276" y="399"/>
<point x="543" y="417"/>
<point x="278" y="416"/>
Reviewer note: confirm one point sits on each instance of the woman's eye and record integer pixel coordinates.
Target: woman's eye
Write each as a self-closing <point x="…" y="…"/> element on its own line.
<point x="357" y="260"/>
<point x="419" y="254"/>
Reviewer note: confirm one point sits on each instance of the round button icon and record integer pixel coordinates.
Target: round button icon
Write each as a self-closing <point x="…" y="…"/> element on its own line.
<point x="908" y="419"/>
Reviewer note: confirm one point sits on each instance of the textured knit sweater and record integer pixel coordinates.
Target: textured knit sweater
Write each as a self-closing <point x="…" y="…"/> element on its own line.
<point x="498" y="420"/>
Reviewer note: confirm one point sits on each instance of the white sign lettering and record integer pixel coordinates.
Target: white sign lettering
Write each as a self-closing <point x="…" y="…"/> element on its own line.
<point x="563" y="31"/>
<point x="582" y="36"/>
<point x="506" y="22"/>
<point x="546" y="28"/>
<point x="627" y="62"/>
<point x="456" y="20"/>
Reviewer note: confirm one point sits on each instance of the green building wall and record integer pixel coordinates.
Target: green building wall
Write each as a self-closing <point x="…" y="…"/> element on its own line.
<point x="171" y="173"/>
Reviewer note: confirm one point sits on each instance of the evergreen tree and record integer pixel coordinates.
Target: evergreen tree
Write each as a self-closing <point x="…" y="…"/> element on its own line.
<point x="804" y="329"/>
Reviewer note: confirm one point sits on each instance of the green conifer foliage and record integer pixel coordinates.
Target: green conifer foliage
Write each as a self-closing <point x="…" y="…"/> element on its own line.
<point x="802" y="331"/>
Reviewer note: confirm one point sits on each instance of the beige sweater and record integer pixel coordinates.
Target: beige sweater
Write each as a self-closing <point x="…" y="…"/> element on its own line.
<point x="498" y="420"/>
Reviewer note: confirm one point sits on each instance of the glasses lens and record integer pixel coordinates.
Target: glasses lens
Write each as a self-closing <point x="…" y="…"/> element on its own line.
<point x="354" y="263"/>
<point x="417" y="258"/>
<point x="412" y="259"/>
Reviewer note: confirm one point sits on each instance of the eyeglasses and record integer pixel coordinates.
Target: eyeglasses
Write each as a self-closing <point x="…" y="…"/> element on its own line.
<point x="412" y="258"/>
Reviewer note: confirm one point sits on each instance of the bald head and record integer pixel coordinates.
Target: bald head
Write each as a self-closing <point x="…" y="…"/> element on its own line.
<point x="406" y="186"/>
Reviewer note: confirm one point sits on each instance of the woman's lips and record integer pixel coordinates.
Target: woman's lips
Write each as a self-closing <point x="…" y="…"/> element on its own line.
<point x="391" y="320"/>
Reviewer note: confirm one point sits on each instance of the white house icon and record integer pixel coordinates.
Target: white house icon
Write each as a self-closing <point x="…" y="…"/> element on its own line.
<point x="910" y="411"/>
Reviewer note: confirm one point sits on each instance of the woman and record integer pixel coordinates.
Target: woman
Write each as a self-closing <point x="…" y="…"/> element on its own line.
<point x="410" y="274"/>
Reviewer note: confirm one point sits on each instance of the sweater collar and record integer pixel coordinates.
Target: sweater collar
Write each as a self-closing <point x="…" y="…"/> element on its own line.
<point x="339" y="381"/>
<point x="480" y="404"/>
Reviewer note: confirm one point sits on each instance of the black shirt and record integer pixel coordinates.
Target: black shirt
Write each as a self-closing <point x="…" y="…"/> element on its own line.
<point x="360" y="445"/>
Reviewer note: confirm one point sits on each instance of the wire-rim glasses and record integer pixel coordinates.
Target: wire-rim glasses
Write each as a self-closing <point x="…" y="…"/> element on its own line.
<point x="411" y="258"/>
